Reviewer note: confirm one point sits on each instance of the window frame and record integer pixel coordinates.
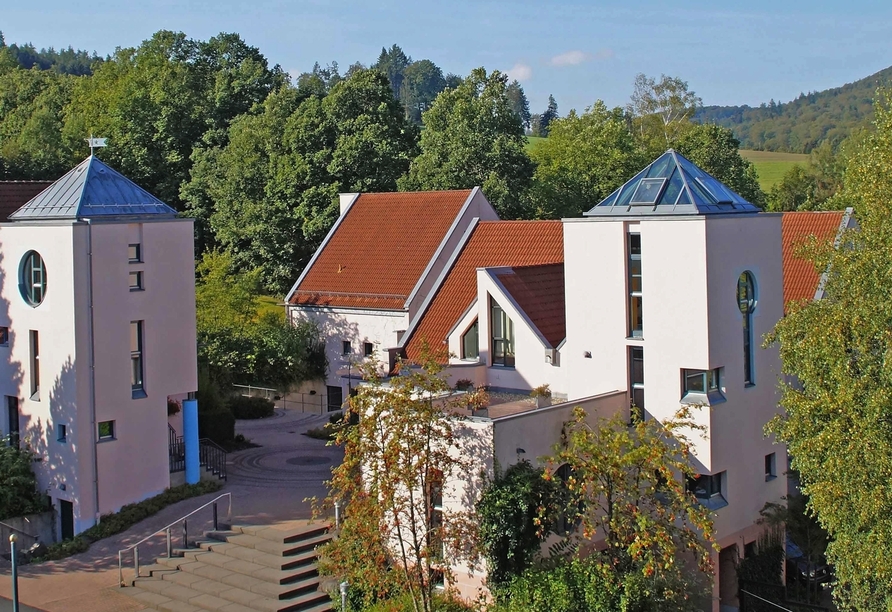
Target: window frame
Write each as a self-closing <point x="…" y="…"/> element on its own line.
<point x="34" y="362"/>
<point x="368" y="349"/>
<point x="636" y="386"/>
<point x="137" y="360"/>
<point x="635" y="296"/>
<point x="747" y="300"/>
<point x="4" y="335"/>
<point x="505" y="357"/>
<point x="113" y="433"/>
<point x="137" y="247"/>
<point x="27" y="283"/>
<point x="715" y="497"/>
<point x="475" y="328"/>
<point x="770" y="466"/>
<point x="346" y="347"/>
<point x="711" y="383"/>
<point x="139" y="280"/>
<point x="61" y="432"/>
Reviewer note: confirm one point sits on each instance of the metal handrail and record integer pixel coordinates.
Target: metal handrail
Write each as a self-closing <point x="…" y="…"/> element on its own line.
<point x="210" y="442"/>
<point x="166" y="529"/>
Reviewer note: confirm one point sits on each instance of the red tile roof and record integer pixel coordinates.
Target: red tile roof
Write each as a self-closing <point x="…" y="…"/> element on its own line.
<point x="800" y="277"/>
<point x="380" y="249"/>
<point x="539" y="292"/>
<point x="493" y="243"/>
<point x="14" y="195"/>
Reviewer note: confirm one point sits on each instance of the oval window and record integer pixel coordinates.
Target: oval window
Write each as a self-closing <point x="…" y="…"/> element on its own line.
<point x="33" y="278"/>
<point x="746" y="293"/>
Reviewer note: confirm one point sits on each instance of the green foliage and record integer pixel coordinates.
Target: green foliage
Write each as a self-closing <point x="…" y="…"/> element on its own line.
<point x="403" y="603"/>
<point x="836" y="419"/>
<point x="802" y="124"/>
<point x="18" y="485"/>
<point x="236" y="345"/>
<point x="629" y="483"/>
<point x="473" y="137"/>
<point x="540" y="123"/>
<point x="661" y="109"/>
<point x="216" y="425"/>
<point x="246" y="407"/>
<point x="64" y="61"/>
<point x="422" y="82"/>
<point x="269" y="195"/>
<point x="715" y="149"/>
<point x="582" y="161"/>
<point x="509" y="512"/>
<point x="763" y="568"/>
<point x="519" y="103"/>
<point x="400" y="455"/>
<point x="129" y="515"/>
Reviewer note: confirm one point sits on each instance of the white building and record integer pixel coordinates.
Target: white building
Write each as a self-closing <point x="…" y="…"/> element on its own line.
<point x="658" y="296"/>
<point x="97" y="321"/>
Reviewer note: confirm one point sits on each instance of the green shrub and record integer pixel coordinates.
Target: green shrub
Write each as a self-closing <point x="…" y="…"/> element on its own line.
<point x="403" y="603"/>
<point x="218" y="426"/>
<point x="209" y="396"/>
<point x="18" y="486"/>
<point x="246" y="407"/>
<point x="127" y="517"/>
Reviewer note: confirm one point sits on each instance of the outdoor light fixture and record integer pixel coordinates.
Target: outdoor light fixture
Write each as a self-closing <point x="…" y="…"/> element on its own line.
<point x="520" y="451"/>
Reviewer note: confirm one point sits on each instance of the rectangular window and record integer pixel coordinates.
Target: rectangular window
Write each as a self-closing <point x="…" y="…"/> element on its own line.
<point x="470" y="342"/>
<point x="707" y="486"/>
<point x="502" y="331"/>
<point x="345" y="347"/>
<point x="701" y="381"/>
<point x="368" y="349"/>
<point x="136" y="281"/>
<point x="34" y="342"/>
<point x="134" y="253"/>
<point x="636" y="380"/>
<point x="12" y="419"/>
<point x="106" y="430"/>
<point x="747" y="350"/>
<point x="4" y="336"/>
<point x="61" y="433"/>
<point x="335" y="399"/>
<point x="435" y="505"/>
<point x="137" y="383"/>
<point x="636" y="315"/>
<point x="770" y="467"/>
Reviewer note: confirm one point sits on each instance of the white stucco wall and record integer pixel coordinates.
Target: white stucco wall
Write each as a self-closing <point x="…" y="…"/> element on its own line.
<point x="134" y="465"/>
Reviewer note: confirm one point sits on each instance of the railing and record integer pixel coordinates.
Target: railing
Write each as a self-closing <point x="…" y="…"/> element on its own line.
<point x="167" y="531"/>
<point x="252" y="391"/>
<point x="212" y="456"/>
<point x="176" y="450"/>
<point x="4" y="538"/>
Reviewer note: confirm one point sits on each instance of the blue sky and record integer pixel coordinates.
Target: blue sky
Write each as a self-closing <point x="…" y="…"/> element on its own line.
<point x="580" y="51"/>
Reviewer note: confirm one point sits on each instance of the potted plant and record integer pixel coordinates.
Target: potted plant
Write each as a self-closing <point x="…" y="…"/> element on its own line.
<point x="542" y="395"/>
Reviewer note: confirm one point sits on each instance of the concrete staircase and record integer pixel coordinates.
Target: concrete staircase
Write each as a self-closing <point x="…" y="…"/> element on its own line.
<point x="246" y="569"/>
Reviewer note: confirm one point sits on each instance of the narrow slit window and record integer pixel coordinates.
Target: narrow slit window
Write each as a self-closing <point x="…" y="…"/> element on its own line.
<point x="636" y="299"/>
<point x="746" y="302"/>
<point x="34" y="342"/>
<point x="137" y="382"/>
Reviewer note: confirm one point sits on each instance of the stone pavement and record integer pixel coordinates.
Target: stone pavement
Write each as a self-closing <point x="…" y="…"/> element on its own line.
<point x="268" y="486"/>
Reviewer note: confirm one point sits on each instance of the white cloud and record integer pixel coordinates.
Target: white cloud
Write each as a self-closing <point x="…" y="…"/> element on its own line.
<point x="521" y="72"/>
<point x="574" y="58"/>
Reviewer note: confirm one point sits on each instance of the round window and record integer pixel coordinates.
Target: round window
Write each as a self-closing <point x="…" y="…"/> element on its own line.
<point x="33" y="278"/>
<point x="746" y="293"/>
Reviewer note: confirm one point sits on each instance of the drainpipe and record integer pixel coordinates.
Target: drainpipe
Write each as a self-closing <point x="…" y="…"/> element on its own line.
<point x="93" y="424"/>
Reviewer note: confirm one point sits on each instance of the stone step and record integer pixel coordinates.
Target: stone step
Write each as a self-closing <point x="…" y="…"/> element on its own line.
<point x="280" y="549"/>
<point x="297" y="561"/>
<point x="266" y="581"/>
<point x="287" y="533"/>
<point x="207" y="594"/>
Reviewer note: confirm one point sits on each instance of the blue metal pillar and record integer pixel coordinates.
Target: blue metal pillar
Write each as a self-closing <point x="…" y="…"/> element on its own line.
<point x="190" y="440"/>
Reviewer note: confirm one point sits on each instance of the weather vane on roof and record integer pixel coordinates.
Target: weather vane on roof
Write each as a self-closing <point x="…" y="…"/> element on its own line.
<point x="95" y="143"/>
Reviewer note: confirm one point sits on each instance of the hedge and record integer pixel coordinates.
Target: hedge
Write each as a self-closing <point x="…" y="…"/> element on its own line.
<point x="219" y="426"/>
<point x="246" y="407"/>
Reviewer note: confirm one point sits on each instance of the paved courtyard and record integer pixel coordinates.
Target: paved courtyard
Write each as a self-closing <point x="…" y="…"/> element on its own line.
<point x="268" y="485"/>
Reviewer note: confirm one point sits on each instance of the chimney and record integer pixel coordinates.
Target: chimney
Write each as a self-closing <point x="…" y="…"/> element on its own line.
<point x="346" y="199"/>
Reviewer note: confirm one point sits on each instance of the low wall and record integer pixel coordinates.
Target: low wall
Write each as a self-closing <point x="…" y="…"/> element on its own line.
<point x="42" y="525"/>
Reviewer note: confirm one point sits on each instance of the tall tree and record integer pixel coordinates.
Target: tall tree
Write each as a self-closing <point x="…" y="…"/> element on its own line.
<point x="519" y="103"/>
<point x="582" y="161"/>
<point x="662" y="107"/>
<point x="837" y="413"/>
<point x="473" y="137"/>
<point x="545" y="119"/>
<point x="422" y="82"/>
<point x="269" y="195"/>
<point x="393" y="63"/>
<point x="401" y="459"/>
<point x="715" y="149"/>
<point x="629" y="485"/>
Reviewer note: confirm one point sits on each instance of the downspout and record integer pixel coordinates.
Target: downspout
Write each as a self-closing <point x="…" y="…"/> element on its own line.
<point x="93" y="424"/>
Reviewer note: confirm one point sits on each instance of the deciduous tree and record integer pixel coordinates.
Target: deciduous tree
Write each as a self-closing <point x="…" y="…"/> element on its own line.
<point x="473" y="137"/>
<point x="661" y="107"/>
<point x="837" y="411"/>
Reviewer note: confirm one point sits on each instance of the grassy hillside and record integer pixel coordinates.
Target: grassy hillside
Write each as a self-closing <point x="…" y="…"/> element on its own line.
<point x="800" y="125"/>
<point x="771" y="165"/>
<point x="533" y="142"/>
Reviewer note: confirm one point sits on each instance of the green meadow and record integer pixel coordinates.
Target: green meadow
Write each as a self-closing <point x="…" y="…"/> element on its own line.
<point x="771" y="166"/>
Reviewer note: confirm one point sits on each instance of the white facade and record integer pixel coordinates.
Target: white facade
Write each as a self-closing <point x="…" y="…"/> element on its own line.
<point x="101" y="443"/>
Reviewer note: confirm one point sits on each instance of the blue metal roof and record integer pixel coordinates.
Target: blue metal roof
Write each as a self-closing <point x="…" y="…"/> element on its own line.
<point x="92" y="189"/>
<point x="672" y="185"/>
